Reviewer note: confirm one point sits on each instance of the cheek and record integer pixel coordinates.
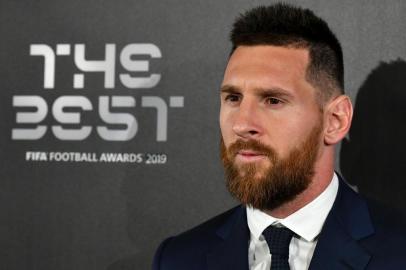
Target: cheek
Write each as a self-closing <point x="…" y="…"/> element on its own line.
<point x="293" y="136"/>
<point x="285" y="134"/>
<point x="225" y="124"/>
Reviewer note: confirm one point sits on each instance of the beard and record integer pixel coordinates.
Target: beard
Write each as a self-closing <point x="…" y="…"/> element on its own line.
<point x="267" y="188"/>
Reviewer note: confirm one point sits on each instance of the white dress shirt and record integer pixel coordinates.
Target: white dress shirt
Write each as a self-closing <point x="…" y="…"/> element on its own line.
<point x="307" y="223"/>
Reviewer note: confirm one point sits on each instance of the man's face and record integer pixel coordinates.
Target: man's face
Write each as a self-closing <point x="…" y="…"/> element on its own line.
<point x="271" y="125"/>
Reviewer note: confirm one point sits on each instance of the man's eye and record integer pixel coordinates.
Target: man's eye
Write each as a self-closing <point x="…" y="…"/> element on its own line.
<point x="232" y="98"/>
<point x="273" y="101"/>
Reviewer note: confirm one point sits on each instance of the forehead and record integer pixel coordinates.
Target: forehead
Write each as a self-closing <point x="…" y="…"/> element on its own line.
<point x="261" y="66"/>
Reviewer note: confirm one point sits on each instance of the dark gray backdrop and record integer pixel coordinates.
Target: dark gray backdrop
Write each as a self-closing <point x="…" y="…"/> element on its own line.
<point x="94" y="215"/>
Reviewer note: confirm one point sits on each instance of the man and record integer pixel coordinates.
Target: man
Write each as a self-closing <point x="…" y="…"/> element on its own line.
<point x="283" y="110"/>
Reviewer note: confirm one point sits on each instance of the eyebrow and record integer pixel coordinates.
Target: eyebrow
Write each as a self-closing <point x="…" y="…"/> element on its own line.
<point x="262" y="92"/>
<point x="230" y="89"/>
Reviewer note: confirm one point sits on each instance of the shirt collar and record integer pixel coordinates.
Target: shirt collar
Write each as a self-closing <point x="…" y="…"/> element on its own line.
<point x="307" y="222"/>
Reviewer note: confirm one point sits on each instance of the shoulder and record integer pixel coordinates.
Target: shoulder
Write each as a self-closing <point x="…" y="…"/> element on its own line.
<point x="386" y="245"/>
<point x="389" y="223"/>
<point x="190" y="248"/>
<point x="360" y="210"/>
<point x="386" y="221"/>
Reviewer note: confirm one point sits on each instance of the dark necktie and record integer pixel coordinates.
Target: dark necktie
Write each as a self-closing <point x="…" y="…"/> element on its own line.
<point x="278" y="239"/>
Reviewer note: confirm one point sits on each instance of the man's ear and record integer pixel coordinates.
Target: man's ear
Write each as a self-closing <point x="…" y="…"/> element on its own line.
<point x="338" y="116"/>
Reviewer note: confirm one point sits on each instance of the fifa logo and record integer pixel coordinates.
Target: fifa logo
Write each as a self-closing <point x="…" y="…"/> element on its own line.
<point x="67" y="110"/>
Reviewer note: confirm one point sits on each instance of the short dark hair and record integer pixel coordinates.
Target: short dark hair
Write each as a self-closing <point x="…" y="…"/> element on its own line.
<point x="289" y="26"/>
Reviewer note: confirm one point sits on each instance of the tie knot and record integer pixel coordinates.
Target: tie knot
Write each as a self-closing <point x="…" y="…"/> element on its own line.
<point x="278" y="239"/>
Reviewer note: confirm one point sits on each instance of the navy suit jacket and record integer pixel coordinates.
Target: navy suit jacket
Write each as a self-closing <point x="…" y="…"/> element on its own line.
<point x="355" y="235"/>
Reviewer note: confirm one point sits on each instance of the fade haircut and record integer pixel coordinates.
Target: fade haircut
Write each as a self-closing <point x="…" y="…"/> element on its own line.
<point x="293" y="27"/>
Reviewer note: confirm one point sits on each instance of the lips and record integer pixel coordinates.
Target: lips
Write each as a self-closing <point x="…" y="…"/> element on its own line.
<point x="249" y="155"/>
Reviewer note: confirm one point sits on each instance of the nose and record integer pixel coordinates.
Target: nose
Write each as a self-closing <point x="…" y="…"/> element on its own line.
<point x="246" y="122"/>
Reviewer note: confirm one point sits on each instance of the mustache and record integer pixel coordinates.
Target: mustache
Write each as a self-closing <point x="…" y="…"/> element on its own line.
<point x="253" y="145"/>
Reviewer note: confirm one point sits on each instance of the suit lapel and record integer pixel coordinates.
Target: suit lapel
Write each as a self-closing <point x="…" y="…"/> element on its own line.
<point x="337" y="245"/>
<point x="232" y="252"/>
